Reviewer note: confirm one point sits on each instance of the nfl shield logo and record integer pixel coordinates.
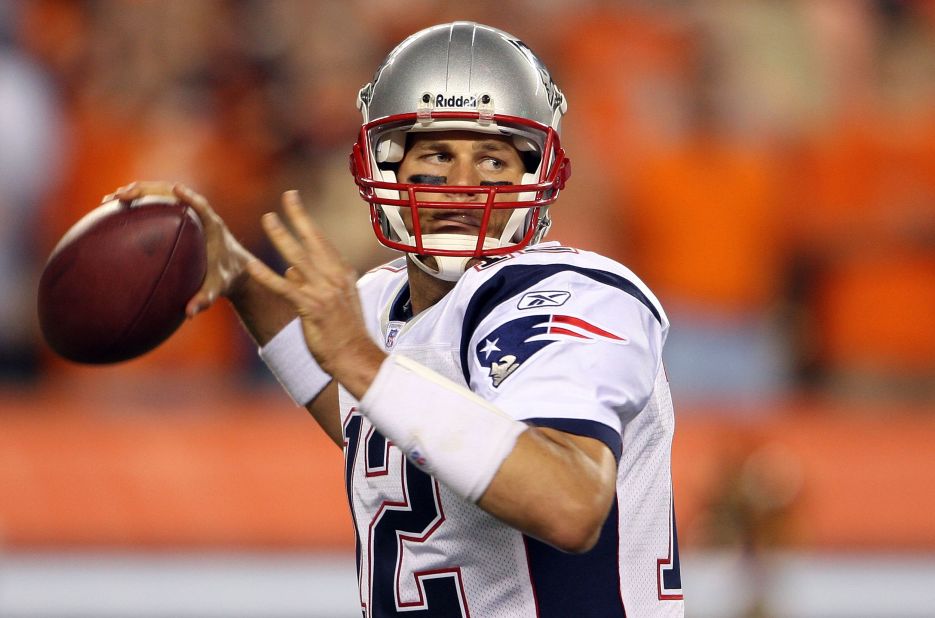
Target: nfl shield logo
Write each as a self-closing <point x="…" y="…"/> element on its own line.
<point x="391" y="333"/>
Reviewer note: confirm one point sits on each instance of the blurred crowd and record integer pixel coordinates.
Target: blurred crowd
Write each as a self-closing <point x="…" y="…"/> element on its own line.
<point x="768" y="168"/>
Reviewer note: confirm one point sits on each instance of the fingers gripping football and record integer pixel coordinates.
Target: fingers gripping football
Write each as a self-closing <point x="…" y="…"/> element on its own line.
<point x="226" y="257"/>
<point x="318" y="283"/>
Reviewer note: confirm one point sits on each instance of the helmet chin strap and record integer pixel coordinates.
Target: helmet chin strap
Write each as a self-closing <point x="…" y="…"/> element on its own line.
<point x="449" y="268"/>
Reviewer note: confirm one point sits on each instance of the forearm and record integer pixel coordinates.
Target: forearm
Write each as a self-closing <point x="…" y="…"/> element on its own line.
<point x="324" y="409"/>
<point x="262" y="312"/>
<point x="264" y="315"/>
<point x="288" y="358"/>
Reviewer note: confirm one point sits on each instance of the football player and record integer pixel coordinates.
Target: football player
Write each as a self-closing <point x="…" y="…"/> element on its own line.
<point x="501" y="402"/>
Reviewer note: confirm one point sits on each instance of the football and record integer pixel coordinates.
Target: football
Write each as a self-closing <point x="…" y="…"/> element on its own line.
<point x="117" y="283"/>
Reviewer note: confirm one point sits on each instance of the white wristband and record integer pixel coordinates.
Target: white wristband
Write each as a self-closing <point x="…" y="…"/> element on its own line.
<point x="442" y="427"/>
<point x="287" y="356"/>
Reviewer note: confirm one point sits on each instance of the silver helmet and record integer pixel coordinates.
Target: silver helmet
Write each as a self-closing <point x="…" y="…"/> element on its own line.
<point x="460" y="76"/>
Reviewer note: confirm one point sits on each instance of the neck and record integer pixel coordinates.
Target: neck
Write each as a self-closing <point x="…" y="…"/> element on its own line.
<point x="424" y="289"/>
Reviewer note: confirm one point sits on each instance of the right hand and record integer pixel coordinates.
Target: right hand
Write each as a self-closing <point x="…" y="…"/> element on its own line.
<point x="322" y="290"/>
<point x="227" y="258"/>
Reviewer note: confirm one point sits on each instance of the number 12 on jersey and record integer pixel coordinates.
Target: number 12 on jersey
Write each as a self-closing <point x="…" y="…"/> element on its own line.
<point x="395" y="525"/>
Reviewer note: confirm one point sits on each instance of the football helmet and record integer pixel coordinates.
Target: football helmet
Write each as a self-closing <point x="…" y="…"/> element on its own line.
<point x="460" y="76"/>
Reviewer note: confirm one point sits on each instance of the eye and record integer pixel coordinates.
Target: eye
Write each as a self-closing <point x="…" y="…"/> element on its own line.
<point x="436" y="157"/>
<point x="492" y="164"/>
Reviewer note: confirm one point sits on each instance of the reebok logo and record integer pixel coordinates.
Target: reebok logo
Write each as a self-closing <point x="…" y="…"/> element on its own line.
<point x="547" y="298"/>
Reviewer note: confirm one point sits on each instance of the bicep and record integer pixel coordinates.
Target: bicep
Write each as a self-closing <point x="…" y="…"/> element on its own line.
<point x="555" y="486"/>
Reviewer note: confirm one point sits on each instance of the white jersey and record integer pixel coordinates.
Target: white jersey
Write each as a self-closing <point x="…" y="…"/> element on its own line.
<point x="556" y="338"/>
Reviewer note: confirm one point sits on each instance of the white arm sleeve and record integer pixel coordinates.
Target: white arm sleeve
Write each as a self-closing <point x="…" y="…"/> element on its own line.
<point x="442" y="427"/>
<point x="288" y="358"/>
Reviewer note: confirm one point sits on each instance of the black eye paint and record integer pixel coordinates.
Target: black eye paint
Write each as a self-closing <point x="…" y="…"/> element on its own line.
<point x="427" y="179"/>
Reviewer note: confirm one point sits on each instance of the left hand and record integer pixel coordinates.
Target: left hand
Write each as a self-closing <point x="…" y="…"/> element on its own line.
<point x="322" y="288"/>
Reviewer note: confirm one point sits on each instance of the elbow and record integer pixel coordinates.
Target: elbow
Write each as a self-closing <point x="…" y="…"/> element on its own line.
<point x="577" y="541"/>
<point x="576" y="528"/>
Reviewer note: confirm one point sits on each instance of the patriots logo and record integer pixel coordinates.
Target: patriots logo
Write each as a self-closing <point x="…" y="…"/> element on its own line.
<point x="511" y="344"/>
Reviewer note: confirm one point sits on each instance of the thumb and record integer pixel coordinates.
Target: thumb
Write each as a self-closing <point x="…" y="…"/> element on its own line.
<point x="198" y="303"/>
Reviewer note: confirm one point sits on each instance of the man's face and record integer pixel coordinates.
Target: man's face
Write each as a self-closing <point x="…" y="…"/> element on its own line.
<point x="460" y="158"/>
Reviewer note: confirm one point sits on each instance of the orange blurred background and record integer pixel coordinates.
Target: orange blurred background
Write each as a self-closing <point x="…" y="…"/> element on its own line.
<point x="768" y="168"/>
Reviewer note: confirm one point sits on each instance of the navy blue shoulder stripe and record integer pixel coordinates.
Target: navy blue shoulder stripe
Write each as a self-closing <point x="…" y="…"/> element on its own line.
<point x="513" y="279"/>
<point x="579" y="427"/>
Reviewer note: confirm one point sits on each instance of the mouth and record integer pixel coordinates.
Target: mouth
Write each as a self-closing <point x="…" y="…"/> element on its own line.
<point x="453" y="223"/>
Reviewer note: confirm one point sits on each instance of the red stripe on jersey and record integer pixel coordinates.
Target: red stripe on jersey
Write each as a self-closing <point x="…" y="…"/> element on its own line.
<point x="553" y="330"/>
<point x="567" y="319"/>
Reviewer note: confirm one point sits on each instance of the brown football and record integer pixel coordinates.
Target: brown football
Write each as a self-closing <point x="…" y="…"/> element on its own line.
<point x="117" y="283"/>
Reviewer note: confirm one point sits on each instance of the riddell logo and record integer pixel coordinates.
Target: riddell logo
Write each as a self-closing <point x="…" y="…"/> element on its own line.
<point x="456" y="100"/>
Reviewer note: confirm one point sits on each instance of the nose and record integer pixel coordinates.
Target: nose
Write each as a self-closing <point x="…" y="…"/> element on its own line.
<point x="463" y="173"/>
